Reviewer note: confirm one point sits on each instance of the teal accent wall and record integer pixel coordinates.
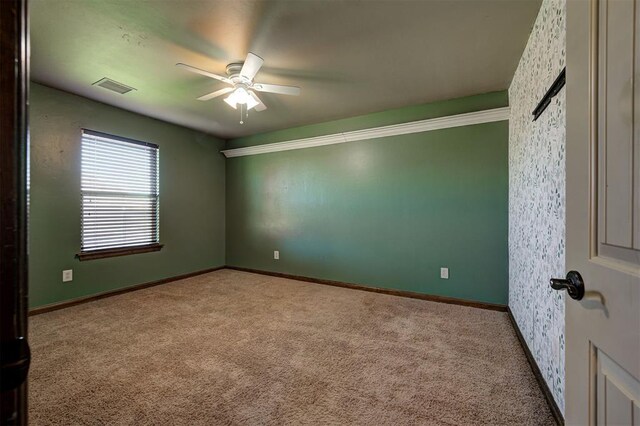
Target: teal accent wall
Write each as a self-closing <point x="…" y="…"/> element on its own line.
<point x="385" y="212"/>
<point x="192" y="199"/>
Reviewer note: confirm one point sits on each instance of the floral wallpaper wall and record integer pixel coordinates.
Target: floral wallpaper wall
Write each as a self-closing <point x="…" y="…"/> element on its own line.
<point x="537" y="196"/>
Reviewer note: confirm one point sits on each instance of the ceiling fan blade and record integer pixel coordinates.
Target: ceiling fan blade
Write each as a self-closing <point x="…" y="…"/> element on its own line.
<point x="277" y="88"/>
<point x="251" y="66"/>
<point x="203" y="72"/>
<point x="215" y="94"/>
<point x="260" y="106"/>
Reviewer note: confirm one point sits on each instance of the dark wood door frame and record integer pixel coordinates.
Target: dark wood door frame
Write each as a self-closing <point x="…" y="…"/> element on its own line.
<point x="14" y="87"/>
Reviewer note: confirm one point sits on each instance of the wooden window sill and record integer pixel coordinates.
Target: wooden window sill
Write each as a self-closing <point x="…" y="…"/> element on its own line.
<point x="124" y="251"/>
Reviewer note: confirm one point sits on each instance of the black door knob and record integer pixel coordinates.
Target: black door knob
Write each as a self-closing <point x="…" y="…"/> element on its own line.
<point x="573" y="284"/>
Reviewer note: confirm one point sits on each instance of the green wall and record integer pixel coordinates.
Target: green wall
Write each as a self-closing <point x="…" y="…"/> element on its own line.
<point x="387" y="212"/>
<point x="192" y="197"/>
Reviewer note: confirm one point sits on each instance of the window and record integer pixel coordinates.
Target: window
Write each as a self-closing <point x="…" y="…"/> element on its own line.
<point x="120" y="196"/>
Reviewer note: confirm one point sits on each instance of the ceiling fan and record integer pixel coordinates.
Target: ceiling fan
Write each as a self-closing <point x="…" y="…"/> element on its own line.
<point x="242" y="91"/>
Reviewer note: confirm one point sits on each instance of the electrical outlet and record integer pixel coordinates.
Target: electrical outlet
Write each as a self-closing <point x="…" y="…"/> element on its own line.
<point x="67" y="275"/>
<point x="444" y="273"/>
<point x="276" y="254"/>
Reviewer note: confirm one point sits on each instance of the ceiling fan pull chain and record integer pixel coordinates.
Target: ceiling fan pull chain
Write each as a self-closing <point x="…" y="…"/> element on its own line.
<point x="241" y="122"/>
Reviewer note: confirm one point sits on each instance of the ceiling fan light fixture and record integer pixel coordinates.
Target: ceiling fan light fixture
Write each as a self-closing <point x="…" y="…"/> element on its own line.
<point x="241" y="96"/>
<point x="251" y="102"/>
<point x="231" y="102"/>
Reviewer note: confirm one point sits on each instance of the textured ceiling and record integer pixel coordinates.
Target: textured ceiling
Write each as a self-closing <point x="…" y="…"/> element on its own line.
<point x="350" y="57"/>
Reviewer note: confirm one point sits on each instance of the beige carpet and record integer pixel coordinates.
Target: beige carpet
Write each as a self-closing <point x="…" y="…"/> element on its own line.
<point x="236" y="348"/>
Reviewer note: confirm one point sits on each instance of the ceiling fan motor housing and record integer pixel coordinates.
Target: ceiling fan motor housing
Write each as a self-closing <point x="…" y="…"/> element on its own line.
<point x="233" y="71"/>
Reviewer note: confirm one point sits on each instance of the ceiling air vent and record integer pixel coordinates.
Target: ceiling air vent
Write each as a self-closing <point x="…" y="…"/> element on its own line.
<point x="112" y="85"/>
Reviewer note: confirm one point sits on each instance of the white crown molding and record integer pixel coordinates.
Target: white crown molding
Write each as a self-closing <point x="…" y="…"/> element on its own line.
<point x="468" y="119"/>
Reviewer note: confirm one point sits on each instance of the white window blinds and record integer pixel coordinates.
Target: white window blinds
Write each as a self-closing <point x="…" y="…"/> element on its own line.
<point x="120" y="194"/>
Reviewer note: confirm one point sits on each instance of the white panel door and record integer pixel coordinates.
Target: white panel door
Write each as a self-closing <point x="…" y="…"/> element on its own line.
<point x="603" y="212"/>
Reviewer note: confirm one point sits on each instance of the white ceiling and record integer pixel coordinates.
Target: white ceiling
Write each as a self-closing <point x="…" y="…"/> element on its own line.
<point x="350" y="57"/>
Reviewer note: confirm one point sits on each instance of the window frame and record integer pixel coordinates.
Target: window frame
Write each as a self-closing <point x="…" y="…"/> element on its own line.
<point x="124" y="250"/>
